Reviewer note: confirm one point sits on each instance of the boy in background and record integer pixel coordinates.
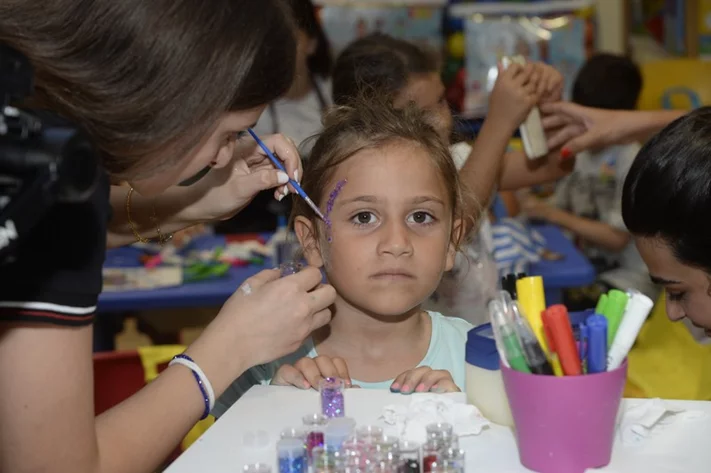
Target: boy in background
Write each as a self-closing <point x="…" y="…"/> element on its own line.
<point x="587" y="203"/>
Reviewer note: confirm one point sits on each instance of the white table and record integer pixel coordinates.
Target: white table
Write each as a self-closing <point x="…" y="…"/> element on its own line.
<point x="680" y="447"/>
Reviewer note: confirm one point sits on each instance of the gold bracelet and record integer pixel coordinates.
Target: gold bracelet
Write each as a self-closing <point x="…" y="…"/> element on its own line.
<point x="162" y="239"/>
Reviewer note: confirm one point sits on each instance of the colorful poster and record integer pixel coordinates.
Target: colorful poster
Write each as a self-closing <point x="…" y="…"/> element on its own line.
<point x="344" y="24"/>
<point x="559" y="42"/>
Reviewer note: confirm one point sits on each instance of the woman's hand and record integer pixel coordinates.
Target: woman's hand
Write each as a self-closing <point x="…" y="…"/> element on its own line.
<point x="576" y="128"/>
<point x="266" y="318"/>
<point x="514" y="94"/>
<point x="307" y="373"/>
<point x="225" y="191"/>
<point x="424" y="379"/>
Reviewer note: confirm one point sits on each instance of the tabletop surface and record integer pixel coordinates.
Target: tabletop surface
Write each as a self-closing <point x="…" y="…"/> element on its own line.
<point x="572" y="271"/>
<point x="680" y="447"/>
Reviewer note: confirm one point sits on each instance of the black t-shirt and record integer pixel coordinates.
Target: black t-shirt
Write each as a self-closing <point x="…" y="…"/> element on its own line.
<point x="56" y="277"/>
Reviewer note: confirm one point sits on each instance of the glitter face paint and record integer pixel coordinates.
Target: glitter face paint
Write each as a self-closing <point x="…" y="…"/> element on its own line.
<point x="329" y="207"/>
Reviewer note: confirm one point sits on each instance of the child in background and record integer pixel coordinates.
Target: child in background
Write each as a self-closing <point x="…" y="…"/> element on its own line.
<point x="408" y="73"/>
<point x="588" y="202"/>
<point x="297" y="115"/>
<point x="394" y="211"/>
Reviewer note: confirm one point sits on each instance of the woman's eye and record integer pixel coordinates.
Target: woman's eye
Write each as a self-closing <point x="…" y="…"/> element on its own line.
<point x="676" y="296"/>
<point x="421" y="218"/>
<point x="363" y="218"/>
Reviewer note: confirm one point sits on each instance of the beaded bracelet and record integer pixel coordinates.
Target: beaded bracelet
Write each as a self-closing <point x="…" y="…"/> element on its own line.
<point x="206" y="390"/>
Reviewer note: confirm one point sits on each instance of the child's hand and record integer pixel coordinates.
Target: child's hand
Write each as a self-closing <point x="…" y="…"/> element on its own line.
<point x="513" y="96"/>
<point x="308" y="372"/>
<point x="424" y="379"/>
<point x="536" y="208"/>
<point x="550" y="84"/>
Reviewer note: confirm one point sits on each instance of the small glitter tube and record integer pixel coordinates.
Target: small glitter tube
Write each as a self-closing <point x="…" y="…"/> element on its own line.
<point x="410" y="457"/>
<point x="443" y="435"/>
<point x="332" y="397"/>
<point x="369" y="434"/>
<point x="289" y="268"/>
<point x="453" y="459"/>
<point x="294" y="433"/>
<point x="338" y="431"/>
<point x="314" y="424"/>
<point x="256" y="468"/>
<point x="291" y="456"/>
<point x="430" y="454"/>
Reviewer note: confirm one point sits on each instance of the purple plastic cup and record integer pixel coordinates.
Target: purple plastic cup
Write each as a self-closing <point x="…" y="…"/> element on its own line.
<point x="565" y="424"/>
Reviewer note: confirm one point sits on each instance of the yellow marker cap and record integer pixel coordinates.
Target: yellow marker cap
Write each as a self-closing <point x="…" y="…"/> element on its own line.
<point x="532" y="300"/>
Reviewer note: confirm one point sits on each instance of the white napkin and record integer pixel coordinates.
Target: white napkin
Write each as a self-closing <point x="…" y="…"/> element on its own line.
<point x="639" y="421"/>
<point x="410" y="420"/>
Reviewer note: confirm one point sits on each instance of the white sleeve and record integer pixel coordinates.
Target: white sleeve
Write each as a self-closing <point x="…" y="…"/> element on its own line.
<point x="460" y="153"/>
<point x="624" y="163"/>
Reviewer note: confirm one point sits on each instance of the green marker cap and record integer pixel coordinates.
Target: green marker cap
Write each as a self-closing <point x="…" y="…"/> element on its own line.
<point x="614" y="311"/>
<point x="601" y="303"/>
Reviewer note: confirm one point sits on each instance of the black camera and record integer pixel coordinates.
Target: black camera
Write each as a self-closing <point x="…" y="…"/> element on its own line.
<point x="44" y="160"/>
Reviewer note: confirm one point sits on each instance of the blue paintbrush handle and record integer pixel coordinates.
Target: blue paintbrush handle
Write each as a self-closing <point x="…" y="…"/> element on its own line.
<point x="277" y="162"/>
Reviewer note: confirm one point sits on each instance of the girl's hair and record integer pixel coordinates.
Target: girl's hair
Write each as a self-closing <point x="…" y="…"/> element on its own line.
<point x="369" y="123"/>
<point x="320" y="62"/>
<point x="149" y="76"/>
<point x="667" y="193"/>
<point x="381" y="63"/>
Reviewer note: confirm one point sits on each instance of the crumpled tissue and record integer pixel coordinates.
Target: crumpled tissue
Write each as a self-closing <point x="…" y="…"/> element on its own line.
<point x="639" y="421"/>
<point x="409" y="421"/>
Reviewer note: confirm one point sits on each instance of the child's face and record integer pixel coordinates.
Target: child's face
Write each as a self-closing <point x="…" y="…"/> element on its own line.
<point x="428" y="93"/>
<point x="391" y="230"/>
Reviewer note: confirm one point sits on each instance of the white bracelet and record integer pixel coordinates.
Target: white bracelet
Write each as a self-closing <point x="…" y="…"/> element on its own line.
<point x="191" y="365"/>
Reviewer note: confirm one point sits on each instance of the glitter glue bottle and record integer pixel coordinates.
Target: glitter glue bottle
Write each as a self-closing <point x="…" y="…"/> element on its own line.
<point x="291" y="456"/>
<point x="332" y="397"/>
<point x="410" y="457"/>
<point x="315" y="425"/>
<point x="256" y="468"/>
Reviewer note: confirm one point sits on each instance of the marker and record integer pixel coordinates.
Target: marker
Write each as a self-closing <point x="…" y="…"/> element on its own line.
<point x="583" y="336"/>
<point x="532" y="301"/>
<point x="508" y="284"/>
<point x="560" y="333"/>
<point x="532" y="351"/>
<point x="601" y="303"/>
<point x="638" y="308"/>
<point x="510" y="348"/>
<point x="597" y="344"/>
<point x="614" y="311"/>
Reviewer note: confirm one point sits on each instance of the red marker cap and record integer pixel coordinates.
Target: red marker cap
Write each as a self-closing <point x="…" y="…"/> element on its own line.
<point x="558" y="329"/>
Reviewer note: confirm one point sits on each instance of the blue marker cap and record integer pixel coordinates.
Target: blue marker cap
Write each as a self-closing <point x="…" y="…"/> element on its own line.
<point x="597" y="344"/>
<point x="583" y="335"/>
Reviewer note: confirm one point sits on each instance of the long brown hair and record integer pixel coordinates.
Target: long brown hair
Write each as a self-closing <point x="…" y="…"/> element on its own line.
<point x="372" y="122"/>
<point x="148" y="77"/>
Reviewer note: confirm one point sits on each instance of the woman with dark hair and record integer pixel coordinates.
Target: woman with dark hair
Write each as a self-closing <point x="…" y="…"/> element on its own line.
<point x="166" y="90"/>
<point x="665" y="204"/>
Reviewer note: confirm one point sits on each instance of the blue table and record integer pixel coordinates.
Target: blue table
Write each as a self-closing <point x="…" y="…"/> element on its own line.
<point x="574" y="270"/>
<point x="199" y="294"/>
